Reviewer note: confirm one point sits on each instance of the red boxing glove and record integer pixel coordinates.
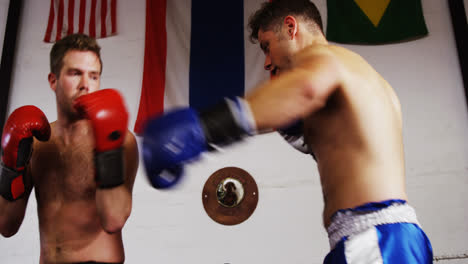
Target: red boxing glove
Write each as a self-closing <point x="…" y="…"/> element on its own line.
<point x="108" y="115"/>
<point x="24" y="123"/>
<point x="109" y="118"/>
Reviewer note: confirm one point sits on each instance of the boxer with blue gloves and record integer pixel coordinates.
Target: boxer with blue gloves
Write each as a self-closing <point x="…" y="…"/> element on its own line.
<point x="351" y="121"/>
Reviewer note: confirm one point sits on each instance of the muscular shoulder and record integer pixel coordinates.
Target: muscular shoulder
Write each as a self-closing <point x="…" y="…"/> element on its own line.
<point x="326" y="61"/>
<point x="342" y="59"/>
<point x="357" y="73"/>
<point x="312" y="54"/>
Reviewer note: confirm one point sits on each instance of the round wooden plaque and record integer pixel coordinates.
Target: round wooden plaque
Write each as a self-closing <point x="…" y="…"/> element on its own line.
<point x="230" y="196"/>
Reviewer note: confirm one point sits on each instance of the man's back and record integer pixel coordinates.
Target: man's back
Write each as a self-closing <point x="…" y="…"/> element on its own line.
<point x="357" y="136"/>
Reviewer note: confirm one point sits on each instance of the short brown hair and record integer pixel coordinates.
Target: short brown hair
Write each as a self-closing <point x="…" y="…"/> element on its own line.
<point x="80" y="42"/>
<point x="271" y="14"/>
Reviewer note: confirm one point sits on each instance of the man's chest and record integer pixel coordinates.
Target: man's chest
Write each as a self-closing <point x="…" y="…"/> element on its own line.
<point x="64" y="172"/>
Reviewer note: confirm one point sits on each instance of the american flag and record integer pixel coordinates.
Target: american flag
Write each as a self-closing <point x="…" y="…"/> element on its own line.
<point x="96" y="18"/>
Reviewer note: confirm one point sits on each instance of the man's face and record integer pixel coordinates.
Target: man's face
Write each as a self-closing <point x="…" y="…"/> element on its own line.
<point x="278" y="51"/>
<point x="79" y="75"/>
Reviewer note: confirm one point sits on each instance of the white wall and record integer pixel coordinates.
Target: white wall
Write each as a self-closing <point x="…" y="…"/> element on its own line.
<point x="172" y="226"/>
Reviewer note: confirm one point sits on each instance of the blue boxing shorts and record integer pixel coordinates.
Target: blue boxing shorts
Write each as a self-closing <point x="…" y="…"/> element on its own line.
<point x="382" y="232"/>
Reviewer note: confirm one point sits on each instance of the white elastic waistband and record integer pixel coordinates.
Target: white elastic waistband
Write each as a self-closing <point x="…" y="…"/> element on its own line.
<point x="347" y="223"/>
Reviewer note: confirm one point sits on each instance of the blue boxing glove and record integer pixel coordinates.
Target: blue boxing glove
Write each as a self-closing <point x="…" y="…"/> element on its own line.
<point x="180" y="136"/>
<point x="167" y="142"/>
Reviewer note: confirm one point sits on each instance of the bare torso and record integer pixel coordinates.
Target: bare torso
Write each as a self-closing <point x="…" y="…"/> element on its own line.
<point x="357" y="139"/>
<point x="70" y="229"/>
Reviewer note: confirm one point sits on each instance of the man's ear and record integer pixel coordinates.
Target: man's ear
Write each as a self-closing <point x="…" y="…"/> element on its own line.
<point x="52" y="78"/>
<point x="291" y="26"/>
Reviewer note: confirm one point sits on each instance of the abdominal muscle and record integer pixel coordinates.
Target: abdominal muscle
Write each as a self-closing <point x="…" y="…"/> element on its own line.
<point x="71" y="232"/>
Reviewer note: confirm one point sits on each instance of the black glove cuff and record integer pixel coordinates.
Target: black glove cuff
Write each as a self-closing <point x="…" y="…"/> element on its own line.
<point x="220" y="126"/>
<point x="109" y="168"/>
<point x="7" y="176"/>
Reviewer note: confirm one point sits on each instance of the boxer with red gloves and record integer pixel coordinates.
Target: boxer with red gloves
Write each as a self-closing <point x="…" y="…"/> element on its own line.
<point x="83" y="175"/>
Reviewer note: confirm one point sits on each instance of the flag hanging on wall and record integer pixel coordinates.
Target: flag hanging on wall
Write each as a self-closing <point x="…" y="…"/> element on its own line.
<point x="196" y="53"/>
<point x="96" y="18"/>
<point x="374" y="21"/>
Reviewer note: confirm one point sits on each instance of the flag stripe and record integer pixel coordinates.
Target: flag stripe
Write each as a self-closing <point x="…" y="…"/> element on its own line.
<point x="87" y="17"/>
<point x="59" y="20"/>
<point x="103" y="17"/>
<point x="82" y="16"/>
<point x="114" y="16"/>
<point x="92" y="19"/>
<point x="217" y="51"/>
<point x="178" y="28"/>
<point x="71" y="11"/>
<point x="76" y="15"/>
<point x="64" y="30"/>
<point x="50" y="24"/>
<point x="152" y="94"/>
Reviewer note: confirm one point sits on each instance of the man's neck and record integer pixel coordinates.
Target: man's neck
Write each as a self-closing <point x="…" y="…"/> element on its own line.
<point x="315" y="39"/>
<point x="69" y="130"/>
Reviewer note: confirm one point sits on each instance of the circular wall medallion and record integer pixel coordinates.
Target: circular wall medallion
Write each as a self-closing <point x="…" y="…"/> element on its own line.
<point x="230" y="192"/>
<point x="230" y="196"/>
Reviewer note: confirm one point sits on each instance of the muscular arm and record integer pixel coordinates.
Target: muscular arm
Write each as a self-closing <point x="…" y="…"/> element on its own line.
<point x="299" y="92"/>
<point x="276" y="104"/>
<point x="115" y="204"/>
<point x="12" y="212"/>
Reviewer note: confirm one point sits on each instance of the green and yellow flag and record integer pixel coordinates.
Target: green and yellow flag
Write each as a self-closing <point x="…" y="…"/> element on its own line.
<point x="374" y="21"/>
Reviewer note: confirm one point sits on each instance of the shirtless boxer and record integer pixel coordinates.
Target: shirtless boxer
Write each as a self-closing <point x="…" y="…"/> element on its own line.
<point x="351" y="123"/>
<point x="83" y="175"/>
